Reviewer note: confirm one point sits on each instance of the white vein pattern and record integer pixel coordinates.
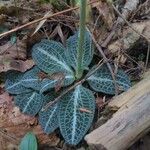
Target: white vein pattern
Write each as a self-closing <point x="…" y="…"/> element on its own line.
<point x="99" y="79"/>
<point x="28" y="103"/>
<point x="47" y="85"/>
<point x="76" y="95"/>
<point x="60" y="63"/>
<point x="9" y="87"/>
<point x="50" y="117"/>
<point x="74" y="123"/>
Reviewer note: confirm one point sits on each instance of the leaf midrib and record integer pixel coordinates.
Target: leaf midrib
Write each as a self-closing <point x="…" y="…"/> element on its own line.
<point x="28" y="103"/>
<point x="106" y="80"/>
<point x="47" y="123"/>
<point x="61" y="63"/>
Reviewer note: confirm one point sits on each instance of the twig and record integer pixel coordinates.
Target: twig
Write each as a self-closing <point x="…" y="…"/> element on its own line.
<point x="130" y="24"/>
<point x="40" y="19"/>
<point x="96" y="23"/>
<point x="72" y="87"/>
<point x="106" y="61"/>
<point x="110" y="36"/>
<point x="147" y="56"/>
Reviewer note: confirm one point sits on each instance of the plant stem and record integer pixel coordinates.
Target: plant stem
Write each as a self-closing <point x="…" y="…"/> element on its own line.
<point x="79" y="69"/>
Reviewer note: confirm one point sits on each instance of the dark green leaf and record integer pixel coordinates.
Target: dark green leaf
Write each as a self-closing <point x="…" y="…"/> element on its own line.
<point x="48" y="119"/>
<point x="13" y="83"/>
<point x="101" y="81"/>
<point x="49" y="57"/>
<point x="47" y="84"/>
<point x="29" y="103"/>
<point x="72" y="46"/>
<point x="76" y="112"/>
<point x="28" y="142"/>
<point x="32" y="80"/>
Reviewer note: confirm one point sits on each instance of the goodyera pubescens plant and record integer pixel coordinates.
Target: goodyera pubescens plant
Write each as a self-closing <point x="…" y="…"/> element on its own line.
<point x="58" y="66"/>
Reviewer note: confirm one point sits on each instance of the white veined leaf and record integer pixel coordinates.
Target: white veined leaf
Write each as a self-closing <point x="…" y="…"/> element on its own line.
<point x="28" y="142"/>
<point x="101" y="81"/>
<point x="48" y="119"/>
<point x="49" y="56"/>
<point x="50" y="96"/>
<point x="31" y="79"/>
<point x="13" y="83"/>
<point x="72" y="46"/>
<point x="29" y="103"/>
<point x="73" y="121"/>
<point x="47" y="84"/>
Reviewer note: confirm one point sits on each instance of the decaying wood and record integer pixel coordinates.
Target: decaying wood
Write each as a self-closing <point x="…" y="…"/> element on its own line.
<point x="129" y="37"/>
<point x="129" y="123"/>
<point x="129" y="7"/>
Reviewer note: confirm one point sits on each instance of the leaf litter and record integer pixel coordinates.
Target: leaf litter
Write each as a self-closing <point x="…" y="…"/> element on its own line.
<point x="16" y="56"/>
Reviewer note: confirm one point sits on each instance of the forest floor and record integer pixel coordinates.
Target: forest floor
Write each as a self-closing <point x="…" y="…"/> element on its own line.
<point x="122" y="28"/>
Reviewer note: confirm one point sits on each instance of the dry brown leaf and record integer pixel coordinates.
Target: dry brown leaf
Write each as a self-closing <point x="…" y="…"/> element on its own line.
<point x="41" y="23"/>
<point x="60" y="33"/>
<point x="11" y="64"/>
<point x="17" y="50"/>
<point x="100" y="102"/>
<point x="106" y="11"/>
<point x="130" y="37"/>
<point x="12" y="56"/>
<point x="5" y="99"/>
<point x="85" y="110"/>
<point x="5" y="144"/>
<point x="14" y="124"/>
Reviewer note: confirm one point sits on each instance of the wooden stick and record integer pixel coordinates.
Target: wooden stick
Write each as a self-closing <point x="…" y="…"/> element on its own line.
<point x="40" y="19"/>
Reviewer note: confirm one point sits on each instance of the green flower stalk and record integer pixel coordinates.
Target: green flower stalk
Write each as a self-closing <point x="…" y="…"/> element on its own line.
<point x="79" y="69"/>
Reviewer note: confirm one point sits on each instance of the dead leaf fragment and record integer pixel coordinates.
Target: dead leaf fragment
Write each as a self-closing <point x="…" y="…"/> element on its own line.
<point x="130" y="37"/>
<point x="106" y="12"/>
<point x="15" y="124"/>
<point x="11" y="64"/>
<point x="41" y="23"/>
<point x="5" y="99"/>
<point x="17" y="50"/>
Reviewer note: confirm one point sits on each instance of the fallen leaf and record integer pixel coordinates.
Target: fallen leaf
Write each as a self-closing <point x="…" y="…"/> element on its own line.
<point x="130" y="37"/>
<point x="60" y="33"/>
<point x="16" y="51"/>
<point x="106" y="11"/>
<point x="100" y="101"/>
<point x="11" y="64"/>
<point x="15" y="124"/>
<point x="5" y="99"/>
<point x="41" y="23"/>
